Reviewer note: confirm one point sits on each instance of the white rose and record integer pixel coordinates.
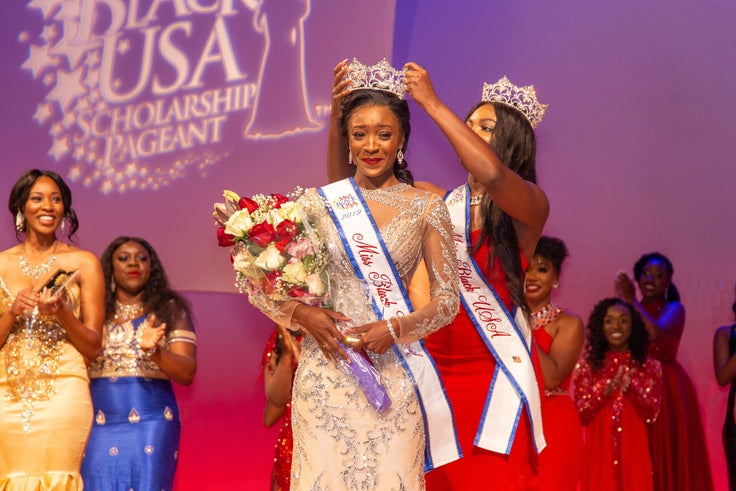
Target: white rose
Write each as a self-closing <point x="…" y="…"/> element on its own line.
<point x="243" y="262"/>
<point x="294" y="272"/>
<point x="290" y="211"/>
<point x="315" y="285"/>
<point x="270" y="259"/>
<point x="239" y="223"/>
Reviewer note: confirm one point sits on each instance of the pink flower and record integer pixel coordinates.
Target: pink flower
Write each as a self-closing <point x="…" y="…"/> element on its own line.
<point x="300" y="248"/>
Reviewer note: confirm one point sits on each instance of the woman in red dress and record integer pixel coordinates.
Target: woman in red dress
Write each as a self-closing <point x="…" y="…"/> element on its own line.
<point x="679" y="450"/>
<point x="618" y="389"/>
<point x="559" y="337"/>
<point x="279" y="364"/>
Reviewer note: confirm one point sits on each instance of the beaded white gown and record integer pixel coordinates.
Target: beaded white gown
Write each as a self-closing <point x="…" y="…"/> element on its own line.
<point x="340" y="441"/>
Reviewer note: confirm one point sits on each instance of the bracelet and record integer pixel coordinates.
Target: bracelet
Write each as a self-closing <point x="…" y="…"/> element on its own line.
<point x="391" y="331"/>
<point x="148" y="352"/>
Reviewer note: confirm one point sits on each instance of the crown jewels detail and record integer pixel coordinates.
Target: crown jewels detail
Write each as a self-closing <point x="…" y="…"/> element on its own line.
<point x="381" y="76"/>
<point x="523" y="99"/>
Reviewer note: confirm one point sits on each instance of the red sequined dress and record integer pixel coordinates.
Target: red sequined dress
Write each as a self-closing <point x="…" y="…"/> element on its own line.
<point x="560" y="463"/>
<point x="616" y="451"/>
<point x="679" y="449"/>
<point x="285" y="440"/>
<point x="466" y="367"/>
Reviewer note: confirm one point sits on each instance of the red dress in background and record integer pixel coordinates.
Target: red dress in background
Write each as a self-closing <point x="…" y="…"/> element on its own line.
<point x="616" y="451"/>
<point x="560" y="463"/>
<point x="677" y="440"/>
<point x="285" y="441"/>
<point x="466" y="367"/>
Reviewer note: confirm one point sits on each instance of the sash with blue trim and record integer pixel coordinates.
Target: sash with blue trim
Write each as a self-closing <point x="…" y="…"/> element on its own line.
<point x="373" y="265"/>
<point x="514" y="384"/>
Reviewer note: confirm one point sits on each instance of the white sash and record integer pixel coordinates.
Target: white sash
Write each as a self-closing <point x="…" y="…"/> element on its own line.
<point x="370" y="259"/>
<point x="514" y="385"/>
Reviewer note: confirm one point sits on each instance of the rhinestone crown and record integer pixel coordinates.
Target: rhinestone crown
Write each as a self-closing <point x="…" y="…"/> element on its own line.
<point x="523" y="99"/>
<point x="381" y="76"/>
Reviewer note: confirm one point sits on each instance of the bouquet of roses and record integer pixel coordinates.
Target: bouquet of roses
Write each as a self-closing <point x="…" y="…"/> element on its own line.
<point x="274" y="248"/>
<point x="278" y="252"/>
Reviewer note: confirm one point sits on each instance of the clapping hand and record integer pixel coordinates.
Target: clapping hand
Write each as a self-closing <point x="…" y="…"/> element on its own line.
<point x="151" y="334"/>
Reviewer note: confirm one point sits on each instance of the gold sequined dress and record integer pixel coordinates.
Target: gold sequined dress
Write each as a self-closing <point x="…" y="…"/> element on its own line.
<point x="340" y="441"/>
<point x="45" y="406"/>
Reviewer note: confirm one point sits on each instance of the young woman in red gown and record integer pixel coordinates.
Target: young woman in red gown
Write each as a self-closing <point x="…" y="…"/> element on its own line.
<point x="618" y="390"/>
<point x="679" y="450"/>
<point x="559" y="337"/>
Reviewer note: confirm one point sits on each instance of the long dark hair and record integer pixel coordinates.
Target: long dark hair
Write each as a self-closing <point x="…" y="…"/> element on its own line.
<point x="22" y="189"/>
<point x="158" y="297"/>
<point x="516" y="146"/>
<point x="597" y="344"/>
<point x="672" y="294"/>
<point x="400" y="109"/>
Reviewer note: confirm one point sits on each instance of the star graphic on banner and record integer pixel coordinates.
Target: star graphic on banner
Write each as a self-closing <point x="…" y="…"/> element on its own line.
<point x="46" y="6"/>
<point x="71" y="47"/>
<point x="68" y="87"/>
<point x="83" y="105"/>
<point x="69" y="10"/>
<point x="43" y="112"/>
<point x="23" y="37"/>
<point x="78" y="153"/>
<point x="92" y="58"/>
<point x="38" y="59"/>
<point x="69" y="119"/>
<point x="56" y="129"/>
<point x="106" y="187"/>
<point x="60" y="148"/>
<point x="48" y="79"/>
<point x="49" y="32"/>
<point x="75" y="172"/>
<point x="123" y="46"/>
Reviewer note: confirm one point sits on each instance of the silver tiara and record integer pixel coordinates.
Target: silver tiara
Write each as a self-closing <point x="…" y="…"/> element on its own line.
<point x="523" y="99"/>
<point x="381" y="76"/>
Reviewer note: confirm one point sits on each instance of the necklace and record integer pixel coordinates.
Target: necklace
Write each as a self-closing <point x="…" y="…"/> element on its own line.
<point x="545" y="316"/>
<point x="35" y="272"/>
<point x="476" y="199"/>
<point x="129" y="311"/>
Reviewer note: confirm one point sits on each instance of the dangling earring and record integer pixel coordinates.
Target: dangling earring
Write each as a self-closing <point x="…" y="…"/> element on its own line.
<point x="556" y="284"/>
<point x="63" y="224"/>
<point x="400" y="157"/>
<point x="350" y="158"/>
<point x="20" y="221"/>
<point x="112" y="285"/>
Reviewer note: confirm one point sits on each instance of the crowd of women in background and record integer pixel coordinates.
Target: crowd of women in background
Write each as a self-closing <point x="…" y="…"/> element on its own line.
<point x="66" y="319"/>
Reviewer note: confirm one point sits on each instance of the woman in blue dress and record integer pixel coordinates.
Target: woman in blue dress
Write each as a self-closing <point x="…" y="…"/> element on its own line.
<point x="149" y="341"/>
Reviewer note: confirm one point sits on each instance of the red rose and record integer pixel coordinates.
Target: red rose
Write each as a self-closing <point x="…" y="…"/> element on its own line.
<point x="262" y="234"/>
<point x="268" y="284"/>
<point x="224" y="239"/>
<point x="287" y="229"/>
<point x="247" y="204"/>
<point x="278" y="200"/>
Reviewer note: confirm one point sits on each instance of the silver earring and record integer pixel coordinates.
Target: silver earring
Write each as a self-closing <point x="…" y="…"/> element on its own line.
<point x="400" y="157"/>
<point x="63" y="224"/>
<point x="350" y="158"/>
<point x="20" y="221"/>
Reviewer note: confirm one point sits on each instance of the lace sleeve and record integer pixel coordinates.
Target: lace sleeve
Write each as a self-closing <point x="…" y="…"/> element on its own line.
<point x="438" y="251"/>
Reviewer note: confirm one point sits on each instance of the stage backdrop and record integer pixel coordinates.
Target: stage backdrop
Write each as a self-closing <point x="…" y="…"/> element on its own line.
<point x="150" y="109"/>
